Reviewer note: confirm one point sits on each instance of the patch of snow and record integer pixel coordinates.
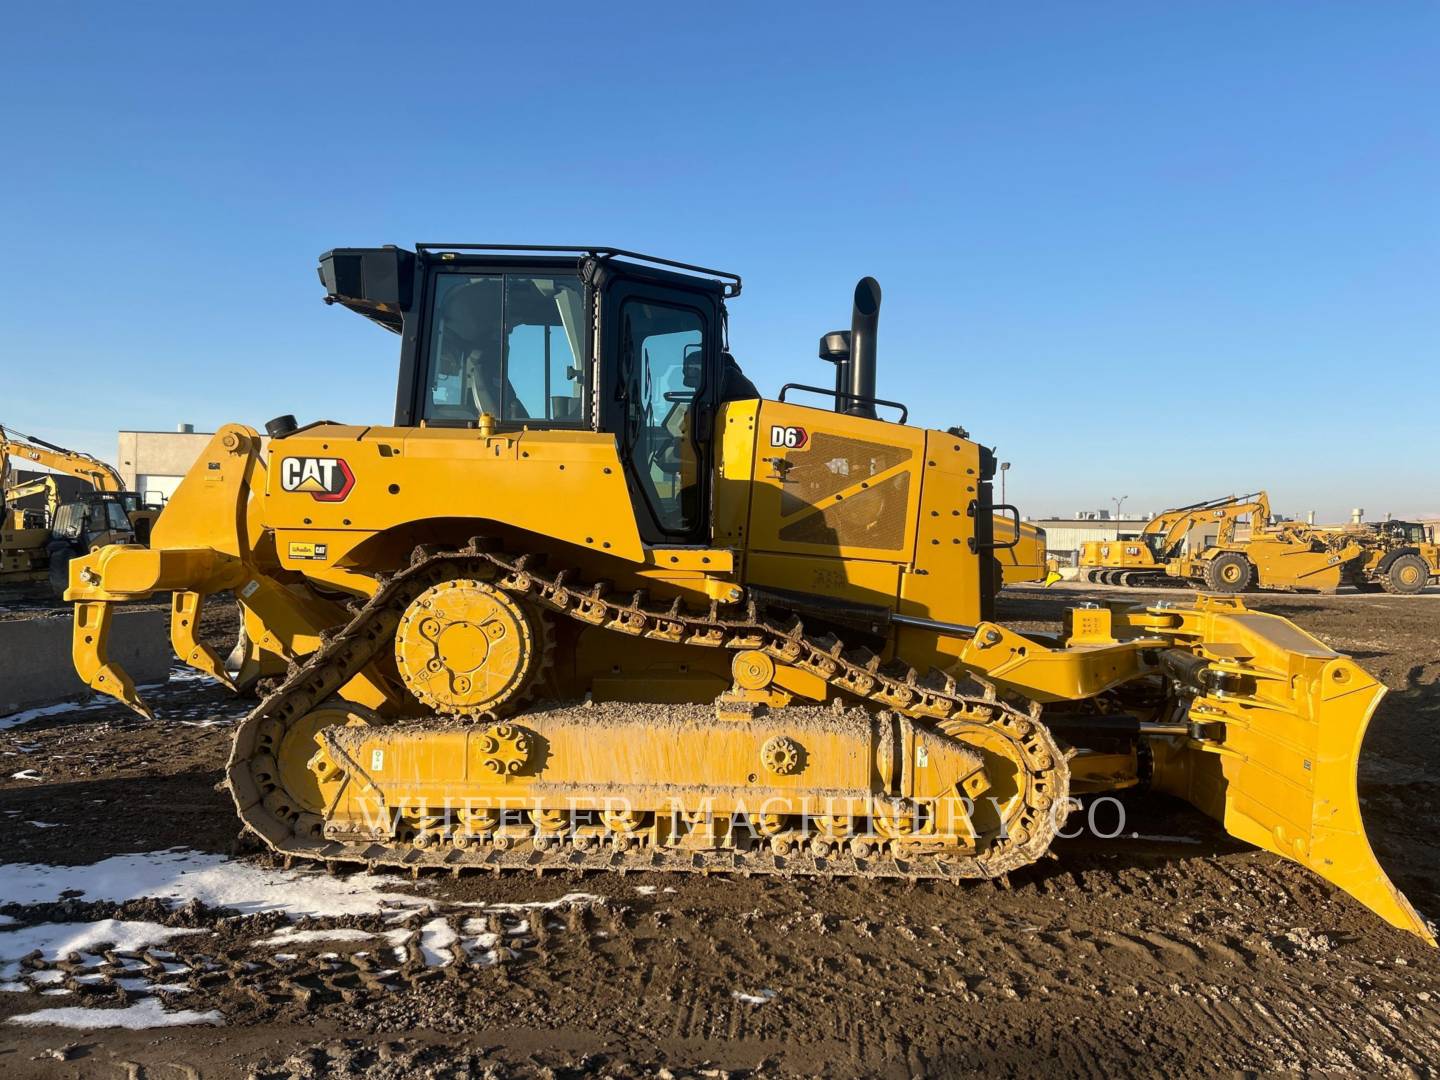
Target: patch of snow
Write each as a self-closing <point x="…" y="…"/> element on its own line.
<point x="16" y="719"/>
<point x="57" y="940"/>
<point x="14" y="988"/>
<point x="436" y="937"/>
<point x="184" y="673"/>
<point x="286" y="956"/>
<point x="48" y="977"/>
<point x="143" y="1014"/>
<point x="44" y="824"/>
<point x="26" y="774"/>
<point x="398" y="940"/>
<point x="288" y="935"/>
<point x="762" y="998"/>
<point x="574" y="899"/>
<point x="180" y="876"/>
<point x="58" y="991"/>
<point x="173" y="988"/>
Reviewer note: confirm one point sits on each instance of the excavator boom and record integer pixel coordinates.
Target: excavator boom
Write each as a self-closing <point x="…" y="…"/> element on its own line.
<point x="36" y="451"/>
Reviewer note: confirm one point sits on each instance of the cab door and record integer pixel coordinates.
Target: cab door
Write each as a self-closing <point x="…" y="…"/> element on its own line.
<point x="660" y="347"/>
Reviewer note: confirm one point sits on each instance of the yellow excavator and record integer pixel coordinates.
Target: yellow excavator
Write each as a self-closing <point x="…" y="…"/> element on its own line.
<point x="591" y="602"/>
<point x="106" y="515"/>
<point x="25" y="530"/>
<point x="139" y="509"/>
<point x="1143" y="561"/>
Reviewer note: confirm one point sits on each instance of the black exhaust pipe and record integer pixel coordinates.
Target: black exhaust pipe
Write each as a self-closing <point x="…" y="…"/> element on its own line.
<point x="864" y="324"/>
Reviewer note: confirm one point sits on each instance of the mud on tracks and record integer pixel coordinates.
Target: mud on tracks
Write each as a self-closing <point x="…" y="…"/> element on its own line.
<point x="1177" y="950"/>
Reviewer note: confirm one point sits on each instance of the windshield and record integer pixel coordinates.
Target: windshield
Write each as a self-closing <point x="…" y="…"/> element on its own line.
<point x="507" y="345"/>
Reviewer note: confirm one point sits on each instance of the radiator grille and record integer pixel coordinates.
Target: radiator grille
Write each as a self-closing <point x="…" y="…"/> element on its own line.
<point x="832" y="464"/>
<point x="873" y="517"/>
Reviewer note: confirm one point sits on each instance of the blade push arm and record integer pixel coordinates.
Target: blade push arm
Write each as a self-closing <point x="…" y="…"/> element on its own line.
<point x="1266" y="730"/>
<point x="202" y="546"/>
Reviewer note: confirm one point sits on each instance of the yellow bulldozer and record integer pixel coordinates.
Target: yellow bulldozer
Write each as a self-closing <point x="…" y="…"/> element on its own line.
<point x="1021" y="555"/>
<point x="591" y="602"/>
<point x="1143" y="560"/>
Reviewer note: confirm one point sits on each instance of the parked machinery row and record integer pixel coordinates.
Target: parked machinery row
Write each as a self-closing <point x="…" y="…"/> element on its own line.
<point x="39" y="540"/>
<point x="1247" y="550"/>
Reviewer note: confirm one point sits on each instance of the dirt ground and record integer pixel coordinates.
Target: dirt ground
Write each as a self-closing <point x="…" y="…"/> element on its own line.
<point x="1179" y="951"/>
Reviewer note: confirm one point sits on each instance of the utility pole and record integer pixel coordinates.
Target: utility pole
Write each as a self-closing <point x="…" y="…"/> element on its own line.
<point x="1004" y="468"/>
<point x="1118" y="504"/>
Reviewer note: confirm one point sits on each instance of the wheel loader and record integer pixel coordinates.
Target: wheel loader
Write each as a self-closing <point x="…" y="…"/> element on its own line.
<point x="1143" y="561"/>
<point x="591" y="602"/>
<point x="1401" y="557"/>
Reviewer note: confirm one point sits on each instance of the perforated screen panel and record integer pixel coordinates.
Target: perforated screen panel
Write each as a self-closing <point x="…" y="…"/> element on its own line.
<point x="833" y="463"/>
<point x="871" y="518"/>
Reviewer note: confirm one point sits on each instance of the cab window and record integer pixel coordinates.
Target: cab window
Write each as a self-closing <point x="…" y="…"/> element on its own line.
<point x="68" y="520"/>
<point x="507" y="345"/>
<point x="662" y="366"/>
<point x="104" y="516"/>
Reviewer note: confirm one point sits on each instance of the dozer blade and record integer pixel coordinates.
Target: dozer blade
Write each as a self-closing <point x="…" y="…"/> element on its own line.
<point x="1276" y="724"/>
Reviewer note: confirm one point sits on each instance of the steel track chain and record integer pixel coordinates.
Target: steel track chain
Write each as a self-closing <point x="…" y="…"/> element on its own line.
<point x="344" y="653"/>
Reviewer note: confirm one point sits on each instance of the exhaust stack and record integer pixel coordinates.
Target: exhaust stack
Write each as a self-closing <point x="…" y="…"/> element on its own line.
<point x="853" y="352"/>
<point x="864" y="324"/>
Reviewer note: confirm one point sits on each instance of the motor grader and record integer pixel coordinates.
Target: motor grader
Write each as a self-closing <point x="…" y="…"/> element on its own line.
<point x="1143" y="561"/>
<point x="591" y="602"/>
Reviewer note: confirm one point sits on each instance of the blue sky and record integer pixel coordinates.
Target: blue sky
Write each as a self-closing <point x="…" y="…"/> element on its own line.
<point x="1166" y="251"/>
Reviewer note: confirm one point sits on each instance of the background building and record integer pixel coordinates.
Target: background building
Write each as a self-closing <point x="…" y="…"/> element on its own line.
<point x="154" y="462"/>
<point x="1064" y="535"/>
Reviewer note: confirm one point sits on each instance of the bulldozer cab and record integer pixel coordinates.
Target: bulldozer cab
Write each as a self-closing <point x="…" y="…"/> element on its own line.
<point x="532" y="338"/>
